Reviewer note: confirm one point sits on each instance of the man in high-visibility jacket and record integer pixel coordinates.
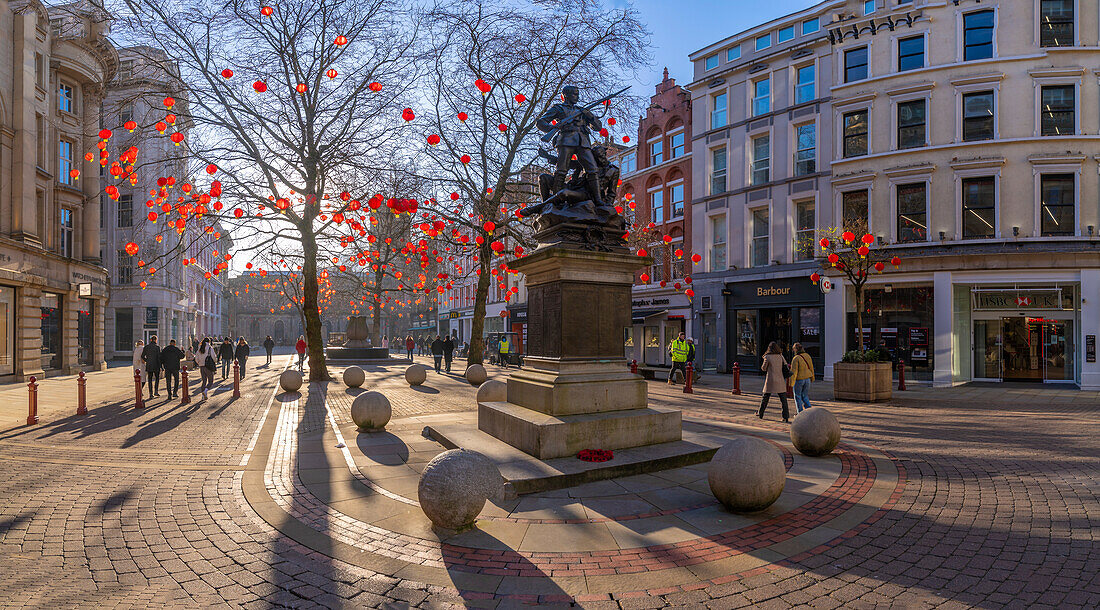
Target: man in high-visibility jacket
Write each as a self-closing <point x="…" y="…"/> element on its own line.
<point x="502" y="351"/>
<point x="679" y="351"/>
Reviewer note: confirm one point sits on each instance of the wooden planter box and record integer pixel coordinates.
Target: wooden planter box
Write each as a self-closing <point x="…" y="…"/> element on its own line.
<point x="862" y="381"/>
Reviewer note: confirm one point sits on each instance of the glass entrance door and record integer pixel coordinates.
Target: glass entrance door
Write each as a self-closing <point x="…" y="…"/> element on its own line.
<point x="1022" y="350"/>
<point x="1033" y="349"/>
<point x="987" y="349"/>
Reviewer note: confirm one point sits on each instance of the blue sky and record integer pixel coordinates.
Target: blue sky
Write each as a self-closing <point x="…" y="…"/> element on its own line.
<point x="680" y="27"/>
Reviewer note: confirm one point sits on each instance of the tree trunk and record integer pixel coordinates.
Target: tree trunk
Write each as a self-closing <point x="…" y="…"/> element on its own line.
<point x="317" y="369"/>
<point x="477" y="325"/>
<point x="376" y="323"/>
<point x="859" y="316"/>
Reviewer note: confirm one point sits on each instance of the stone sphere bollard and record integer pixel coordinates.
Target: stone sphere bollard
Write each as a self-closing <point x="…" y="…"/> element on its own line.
<point x="455" y="485"/>
<point x="371" y="411"/>
<point x="416" y="374"/>
<point x="747" y="475"/>
<point x="492" y="391"/>
<point x="815" y="432"/>
<point x="354" y="377"/>
<point x="290" y="381"/>
<point x="476" y="375"/>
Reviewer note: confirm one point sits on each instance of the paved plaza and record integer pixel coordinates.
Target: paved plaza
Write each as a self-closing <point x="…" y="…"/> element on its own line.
<point x="964" y="497"/>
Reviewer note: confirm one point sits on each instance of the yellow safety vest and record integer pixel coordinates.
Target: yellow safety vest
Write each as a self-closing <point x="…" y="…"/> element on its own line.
<point x="679" y="350"/>
<point x="503" y="349"/>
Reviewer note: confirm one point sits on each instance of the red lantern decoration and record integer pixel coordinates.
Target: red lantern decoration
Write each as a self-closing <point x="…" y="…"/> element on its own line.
<point x="879" y="266"/>
<point x="626" y="139"/>
<point x="340" y="41"/>
<point x="259" y="86"/>
<point x="502" y="127"/>
<point x="131" y="248"/>
<point x="834" y="258"/>
<point x="489" y="226"/>
<point x="130" y="126"/>
<point x="483" y="86"/>
<point x="868" y="239"/>
<point x="375" y="87"/>
<point x="695" y="258"/>
<point x="266" y="11"/>
<point x="462" y="116"/>
<point x="645" y="278"/>
<point x="161" y="126"/>
<point x="104" y="134"/>
<point x="690" y="293"/>
<point x="863" y="251"/>
<point x="331" y="73"/>
<point x="824" y="242"/>
<point x="408" y="114"/>
<point x="227" y="73"/>
<point x="520" y="98"/>
<point x="611" y="121"/>
<point x="642" y="252"/>
<point x="176" y="138"/>
<point x="465" y="159"/>
<point x="848" y="237"/>
<point x="814" y="277"/>
<point x="301" y="88"/>
<point x="603" y="132"/>
<point x="895" y="262"/>
<point x="238" y="212"/>
<point x="152" y="217"/>
<point x="169" y="102"/>
<point x="211" y="169"/>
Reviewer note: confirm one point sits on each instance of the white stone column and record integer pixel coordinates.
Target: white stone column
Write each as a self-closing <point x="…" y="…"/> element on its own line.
<point x="1090" y="325"/>
<point x="943" y="300"/>
<point x="835" y="331"/>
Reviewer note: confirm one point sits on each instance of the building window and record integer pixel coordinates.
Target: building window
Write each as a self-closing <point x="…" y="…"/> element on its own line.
<point x="1058" y="204"/>
<point x="764" y="41"/>
<point x="978" y="35"/>
<point x="125" y="211"/>
<point x="1056" y="23"/>
<point x="804" y="228"/>
<point x="979" y="208"/>
<point x="718" y="243"/>
<point x="977" y="116"/>
<point x="854" y="209"/>
<point x="125" y="273"/>
<point x="630" y="163"/>
<point x="66" y="224"/>
<point x="676" y="265"/>
<point x="785" y="34"/>
<point x="805" y="155"/>
<point x="710" y="63"/>
<point x="868" y="7"/>
<point x="912" y="212"/>
<point x="657" y="271"/>
<point x="911" y="124"/>
<point x="126" y="113"/>
<point x="125" y="69"/>
<point x="65" y="98"/>
<point x="64" y="162"/>
<point x="1057" y="110"/>
<point x="677" y="201"/>
<point x="910" y="53"/>
<point x="718" y="115"/>
<point x="761" y="160"/>
<point x="677" y="145"/>
<point x="656" y="152"/>
<point x="855" y="64"/>
<point x="804" y="90"/>
<point x="760" y="237"/>
<point x="124" y="329"/>
<point x="855" y="133"/>
<point x="718" y="171"/>
<point x="657" y="204"/>
<point x="761" y="96"/>
<point x="733" y="53"/>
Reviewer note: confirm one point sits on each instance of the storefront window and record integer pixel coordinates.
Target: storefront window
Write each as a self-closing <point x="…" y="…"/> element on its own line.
<point x="628" y="337"/>
<point x="124" y="330"/>
<point x="7" y="330"/>
<point x="84" y="319"/>
<point x="746" y="333"/>
<point x="51" y="331"/>
<point x="653" y="336"/>
<point x="900" y="321"/>
<point x="809" y="332"/>
<point x="710" y="341"/>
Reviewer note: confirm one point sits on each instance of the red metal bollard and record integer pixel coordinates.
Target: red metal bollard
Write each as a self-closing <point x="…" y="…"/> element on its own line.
<point x="634" y="366"/>
<point x="736" y="379"/>
<point x="81" y="394"/>
<point x="236" y="378"/>
<point x="186" y="387"/>
<point x="687" y="384"/>
<point x="32" y="402"/>
<point x="137" y="389"/>
<point x="901" y="376"/>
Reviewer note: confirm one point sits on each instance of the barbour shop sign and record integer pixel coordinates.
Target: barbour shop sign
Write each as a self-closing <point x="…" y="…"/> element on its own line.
<point x="772" y="291"/>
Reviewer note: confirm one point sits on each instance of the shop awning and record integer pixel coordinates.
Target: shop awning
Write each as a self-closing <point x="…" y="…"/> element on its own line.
<point x="641" y="314"/>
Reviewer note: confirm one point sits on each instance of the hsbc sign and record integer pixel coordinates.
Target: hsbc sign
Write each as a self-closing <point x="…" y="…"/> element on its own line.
<point x="1017" y="299"/>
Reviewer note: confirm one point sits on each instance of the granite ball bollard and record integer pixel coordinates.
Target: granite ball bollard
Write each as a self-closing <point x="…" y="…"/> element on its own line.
<point x="476" y="375"/>
<point x="354" y="377"/>
<point x="493" y="391"/>
<point x="455" y="486"/>
<point x="416" y="374"/>
<point x="371" y="411"/>
<point x="290" y="380"/>
<point x="747" y="475"/>
<point x="815" y="432"/>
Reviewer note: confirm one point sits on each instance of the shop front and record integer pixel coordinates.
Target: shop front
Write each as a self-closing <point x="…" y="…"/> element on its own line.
<point x="657" y="319"/>
<point x="785" y="310"/>
<point x="517" y="324"/>
<point x="901" y="320"/>
<point x="1024" y="333"/>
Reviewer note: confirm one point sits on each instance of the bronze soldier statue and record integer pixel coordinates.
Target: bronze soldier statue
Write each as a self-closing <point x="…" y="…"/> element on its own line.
<point x="572" y="138"/>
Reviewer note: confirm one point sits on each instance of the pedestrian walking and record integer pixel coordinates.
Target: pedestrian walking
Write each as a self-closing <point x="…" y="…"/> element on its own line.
<point x="776" y="372"/>
<point x="269" y="344"/>
<point x="503" y="348"/>
<point x="678" y="349"/>
<point x="206" y="358"/>
<point x="170" y="358"/>
<point x="300" y="347"/>
<point x="241" y="354"/>
<point x="225" y="355"/>
<point x="385" y="343"/>
<point x="803" y="369"/>
<point x="437" y="352"/>
<point x="139" y="363"/>
<point x="194" y="344"/>
<point x="410" y="343"/>
<point x="150" y="355"/>
<point x="448" y="352"/>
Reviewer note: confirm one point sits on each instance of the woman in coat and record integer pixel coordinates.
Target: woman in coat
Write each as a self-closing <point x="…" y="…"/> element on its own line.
<point x="802" y="369"/>
<point x="241" y="354"/>
<point x="139" y="364"/>
<point x="206" y="358"/>
<point x="774" y="380"/>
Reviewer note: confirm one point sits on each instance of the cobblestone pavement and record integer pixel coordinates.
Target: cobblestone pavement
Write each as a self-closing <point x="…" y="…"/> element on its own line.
<point x="997" y="505"/>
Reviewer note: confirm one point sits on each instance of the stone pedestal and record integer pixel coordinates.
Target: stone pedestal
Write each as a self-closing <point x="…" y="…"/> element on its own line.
<point x="574" y="391"/>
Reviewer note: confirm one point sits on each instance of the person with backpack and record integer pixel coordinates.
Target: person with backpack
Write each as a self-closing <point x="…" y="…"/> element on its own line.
<point x="269" y="344"/>
<point x="776" y="371"/>
<point x="241" y="354"/>
<point x="803" y="373"/>
<point x="206" y="359"/>
<point x="225" y="353"/>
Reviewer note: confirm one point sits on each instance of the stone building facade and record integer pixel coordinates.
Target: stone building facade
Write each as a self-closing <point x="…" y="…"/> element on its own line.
<point x="54" y="66"/>
<point x="255" y="312"/>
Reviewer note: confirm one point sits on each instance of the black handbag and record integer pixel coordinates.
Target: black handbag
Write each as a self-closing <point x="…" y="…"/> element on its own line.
<point x="210" y="364"/>
<point x="786" y="371"/>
